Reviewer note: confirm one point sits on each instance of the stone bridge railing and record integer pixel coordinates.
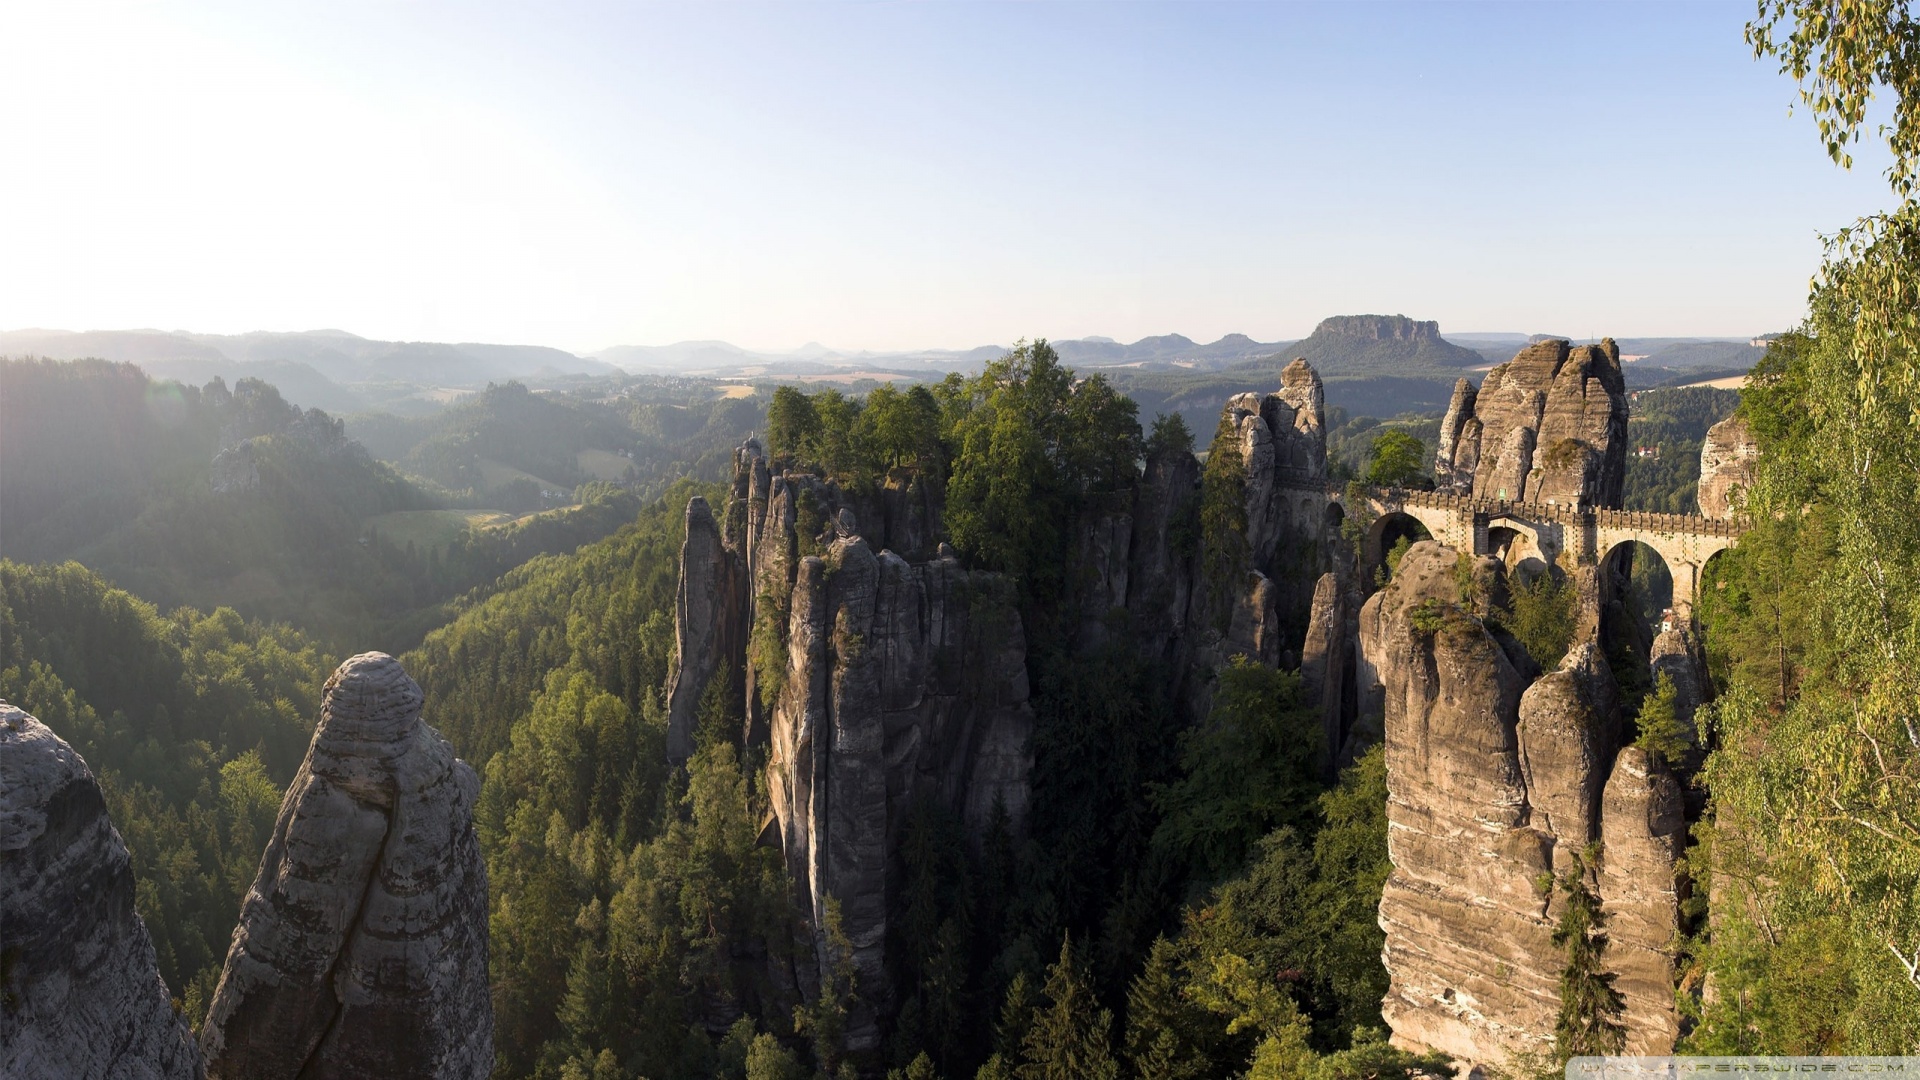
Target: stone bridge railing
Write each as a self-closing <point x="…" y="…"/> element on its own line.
<point x="1548" y="531"/>
<point x="1647" y="521"/>
<point x="1635" y="520"/>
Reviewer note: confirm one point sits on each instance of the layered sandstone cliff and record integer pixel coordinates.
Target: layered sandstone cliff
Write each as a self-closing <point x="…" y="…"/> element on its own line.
<point x="362" y="944"/>
<point x="1283" y="447"/>
<point x="1726" y="468"/>
<point x="1548" y="426"/>
<point x="877" y="670"/>
<point x="1495" y="783"/>
<point x="80" y="994"/>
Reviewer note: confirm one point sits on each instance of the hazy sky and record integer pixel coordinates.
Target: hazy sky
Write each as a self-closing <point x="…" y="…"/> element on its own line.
<point x="889" y="175"/>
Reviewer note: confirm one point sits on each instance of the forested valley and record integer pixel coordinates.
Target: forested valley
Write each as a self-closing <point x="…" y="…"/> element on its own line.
<point x="1194" y="885"/>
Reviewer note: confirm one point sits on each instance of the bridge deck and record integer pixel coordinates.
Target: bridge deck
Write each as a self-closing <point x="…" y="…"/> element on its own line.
<point x="1632" y="520"/>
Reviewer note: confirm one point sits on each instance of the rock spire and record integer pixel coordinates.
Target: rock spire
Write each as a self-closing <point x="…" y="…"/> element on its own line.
<point x="880" y="672"/>
<point x="1494" y="783"/>
<point x="80" y="994"/>
<point x="1548" y="426"/>
<point x="362" y="944"/>
<point x="1726" y="467"/>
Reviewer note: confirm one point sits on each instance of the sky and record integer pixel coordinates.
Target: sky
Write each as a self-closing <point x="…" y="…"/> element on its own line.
<point x="904" y="175"/>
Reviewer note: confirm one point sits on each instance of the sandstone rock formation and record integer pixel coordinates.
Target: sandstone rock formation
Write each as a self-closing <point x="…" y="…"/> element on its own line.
<point x="1677" y="655"/>
<point x="879" y="671"/>
<point x="1283" y="447"/>
<point x="1547" y="426"/>
<point x="1726" y="468"/>
<point x="1643" y="833"/>
<point x="1452" y="469"/>
<point x="1467" y="934"/>
<point x="704" y="638"/>
<point x="1161" y="571"/>
<point x="80" y="995"/>
<point x="1569" y="729"/>
<point x="876" y="680"/>
<point x="1493" y="786"/>
<point x="1326" y="669"/>
<point x="362" y="944"/>
<point x="234" y="470"/>
<point x="1380" y="327"/>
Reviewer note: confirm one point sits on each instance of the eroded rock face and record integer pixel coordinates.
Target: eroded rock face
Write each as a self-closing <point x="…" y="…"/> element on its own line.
<point x="1677" y="655"/>
<point x="1161" y="564"/>
<point x="1465" y="921"/>
<point x="706" y="633"/>
<point x="875" y="678"/>
<point x="1643" y="833"/>
<point x="1452" y="433"/>
<point x="1547" y="426"/>
<point x="1323" y="663"/>
<point x="1283" y="447"/>
<point x="1494" y="784"/>
<point x="80" y="995"/>
<point x="1569" y="729"/>
<point x="362" y="944"/>
<point x="1296" y="414"/>
<point x="234" y="470"/>
<point x="1726" y="468"/>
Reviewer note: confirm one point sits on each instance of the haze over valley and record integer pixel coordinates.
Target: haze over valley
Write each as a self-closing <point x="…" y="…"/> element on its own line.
<point x="1485" y="638"/>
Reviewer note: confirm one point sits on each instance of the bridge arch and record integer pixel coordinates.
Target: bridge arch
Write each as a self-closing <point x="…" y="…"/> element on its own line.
<point x="1519" y="546"/>
<point x="1639" y="577"/>
<point x="1386" y="531"/>
<point x="1685" y="543"/>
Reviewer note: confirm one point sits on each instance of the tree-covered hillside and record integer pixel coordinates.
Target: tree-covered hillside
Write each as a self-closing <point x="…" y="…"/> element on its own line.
<point x="1812" y="842"/>
<point x="117" y="471"/>
<point x="506" y="445"/>
<point x="194" y="723"/>
<point x="1664" y="431"/>
<point x="635" y="917"/>
<point x="209" y="496"/>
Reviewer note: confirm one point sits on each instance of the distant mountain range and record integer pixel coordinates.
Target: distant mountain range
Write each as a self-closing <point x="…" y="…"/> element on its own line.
<point x="722" y="360"/>
<point x="325" y="369"/>
<point x="344" y="373"/>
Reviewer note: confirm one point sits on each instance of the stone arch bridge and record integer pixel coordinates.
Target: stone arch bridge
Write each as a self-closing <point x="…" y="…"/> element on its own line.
<point x="1568" y="535"/>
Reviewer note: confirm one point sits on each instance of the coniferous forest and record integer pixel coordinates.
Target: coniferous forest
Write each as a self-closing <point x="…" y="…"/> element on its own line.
<point x="1189" y="894"/>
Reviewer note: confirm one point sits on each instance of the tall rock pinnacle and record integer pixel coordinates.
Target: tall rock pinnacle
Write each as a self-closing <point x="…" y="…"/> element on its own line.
<point x="1548" y="426"/>
<point x="1494" y="786"/>
<point x="80" y="994"/>
<point x="362" y="945"/>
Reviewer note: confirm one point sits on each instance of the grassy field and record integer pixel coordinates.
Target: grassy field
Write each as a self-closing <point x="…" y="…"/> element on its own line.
<point x="604" y="465"/>
<point x="427" y="529"/>
<point x="493" y="474"/>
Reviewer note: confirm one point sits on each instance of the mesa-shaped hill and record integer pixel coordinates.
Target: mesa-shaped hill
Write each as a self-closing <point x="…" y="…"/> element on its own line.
<point x="1378" y="365"/>
<point x="1347" y="345"/>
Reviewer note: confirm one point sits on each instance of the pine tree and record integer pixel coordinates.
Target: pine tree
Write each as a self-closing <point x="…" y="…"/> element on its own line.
<point x="1069" y="1036"/>
<point x="824" y="1022"/>
<point x="920" y="1068"/>
<point x="768" y="1060"/>
<point x="1161" y="1022"/>
<point x="1661" y="731"/>
<point x="1016" y="1017"/>
<point x="1589" y="1021"/>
